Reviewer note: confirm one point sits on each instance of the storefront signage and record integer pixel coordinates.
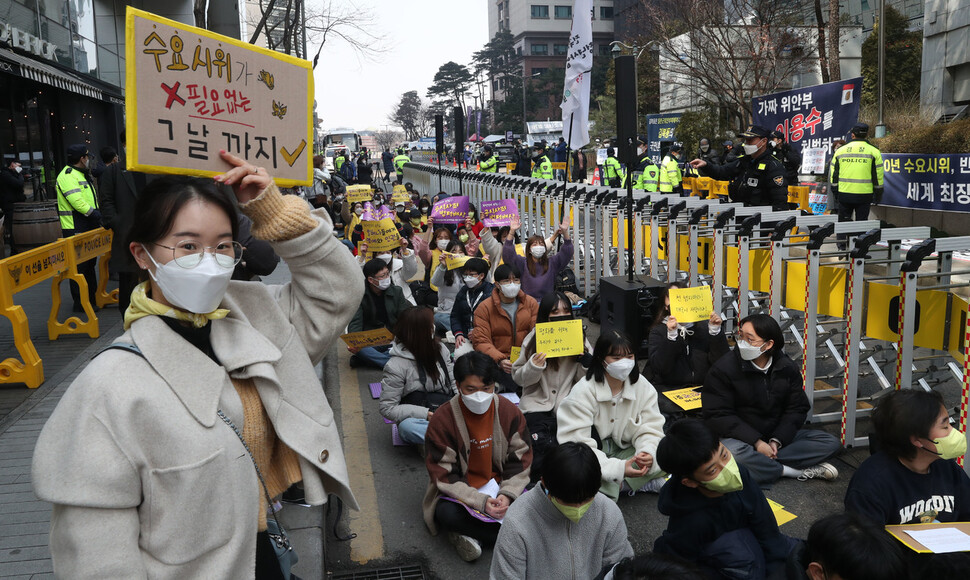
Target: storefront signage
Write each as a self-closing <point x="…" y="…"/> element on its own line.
<point x="19" y="39"/>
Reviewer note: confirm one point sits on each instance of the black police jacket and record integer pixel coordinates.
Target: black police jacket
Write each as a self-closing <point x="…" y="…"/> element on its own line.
<point x="754" y="180"/>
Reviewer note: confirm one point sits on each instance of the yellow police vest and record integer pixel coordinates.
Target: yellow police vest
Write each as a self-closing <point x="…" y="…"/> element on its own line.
<point x="857" y="168"/>
<point x="670" y="175"/>
<point x="489" y="165"/>
<point x="613" y="170"/>
<point x="399" y="162"/>
<point x="74" y="194"/>
<point x="648" y="179"/>
<point x="542" y="168"/>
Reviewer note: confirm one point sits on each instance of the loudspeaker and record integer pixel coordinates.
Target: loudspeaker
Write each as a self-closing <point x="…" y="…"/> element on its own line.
<point x="626" y="107"/>
<point x="630" y="307"/>
<point x="459" y="130"/>
<point x="439" y="134"/>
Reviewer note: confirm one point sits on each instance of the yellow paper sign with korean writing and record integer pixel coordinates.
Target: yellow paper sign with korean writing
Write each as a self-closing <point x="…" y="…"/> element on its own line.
<point x="192" y="93"/>
<point x="691" y="304"/>
<point x="514" y="355"/>
<point x="359" y="193"/>
<point x="560" y="338"/>
<point x="687" y="399"/>
<point x="400" y="194"/>
<point x="381" y="235"/>
<point x="455" y="261"/>
<point x="367" y="338"/>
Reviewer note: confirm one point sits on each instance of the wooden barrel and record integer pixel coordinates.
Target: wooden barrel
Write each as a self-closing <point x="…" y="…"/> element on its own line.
<point x="34" y="224"/>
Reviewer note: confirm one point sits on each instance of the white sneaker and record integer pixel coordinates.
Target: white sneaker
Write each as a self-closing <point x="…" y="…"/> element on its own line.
<point x="825" y="471"/>
<point x="468" y="548"/>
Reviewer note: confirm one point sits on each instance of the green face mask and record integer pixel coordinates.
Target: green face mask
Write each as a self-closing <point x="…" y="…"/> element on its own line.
<point x="952" y="446"/>
<point x="463" y="238"/>
<point x="727" y="481"/>
<point x="573" y="513"/>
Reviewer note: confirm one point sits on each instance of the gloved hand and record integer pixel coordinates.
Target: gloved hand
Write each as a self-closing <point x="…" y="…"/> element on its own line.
<point x="877" y="196"/>
<point x="95" y="215"/>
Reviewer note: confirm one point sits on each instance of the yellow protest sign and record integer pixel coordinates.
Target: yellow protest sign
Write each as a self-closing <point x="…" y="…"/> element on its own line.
<point x="454" y="261"/>
<point x="514" y="355"/>
<point x="381" y="235"/>
<point x="691" y="304"/>
<point x="687" y="399"/>
<point x="192" y="93"/>
<point x="560" y="338"/>
<point x="782" y="516"/>
<point x="377" y="337"/>
<point x="359" y="193"/>
<point x="401" y="196"/>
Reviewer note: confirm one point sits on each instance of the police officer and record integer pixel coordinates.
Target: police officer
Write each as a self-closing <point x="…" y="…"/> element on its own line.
<point x="756" y="177"/>
<point x="541" y="166"/>
<point x="671" y="177"/>
<point x="399" y="162"/>
<point x="487" y="162"/>
<point x="647" y="175"/>
<point x="77" y="207"/>
<point x="612" y="170"/>
<point x="856" y="176"/>
<point x="791" y="159"/>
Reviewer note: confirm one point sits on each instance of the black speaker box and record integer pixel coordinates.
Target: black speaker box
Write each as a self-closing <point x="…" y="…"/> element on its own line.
<point x="626" y="107"/>
<point x="439" y="134"/>
<point x="630" y="307"/>
<point x="459" y="130"/>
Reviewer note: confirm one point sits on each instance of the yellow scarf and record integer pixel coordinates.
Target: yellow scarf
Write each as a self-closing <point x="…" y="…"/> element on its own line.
<point x="142" y="306"/>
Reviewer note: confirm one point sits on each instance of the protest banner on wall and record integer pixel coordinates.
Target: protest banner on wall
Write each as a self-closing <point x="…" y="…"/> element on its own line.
<point x="367" y="338"/>
<point x="192" y="93"/>
<point x="381" y="235"/>
<point x="811" y="116"/>
<point x="451" y="210"/>
<point x="560" y="338"/>
<point x="934" y="182"/>
<point x="691" y="304"/>
<point x="498" y="213"/>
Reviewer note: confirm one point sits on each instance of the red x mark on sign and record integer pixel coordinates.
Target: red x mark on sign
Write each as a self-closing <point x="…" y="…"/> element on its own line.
<point x="173" y="95"/>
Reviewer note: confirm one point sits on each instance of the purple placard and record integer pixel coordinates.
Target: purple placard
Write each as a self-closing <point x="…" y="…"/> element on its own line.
<point x="370" y="214"/>
<point x="451" y="210"/>
<point x="375" y="390"/>
<point x="384" y="212"/>
<point x="496" y="214"/>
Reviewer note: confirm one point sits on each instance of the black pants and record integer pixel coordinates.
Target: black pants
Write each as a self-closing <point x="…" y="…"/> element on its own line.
<point x="454" y="517"/>
<point x="851" y="212"/>
<point x="542" y="428"/>
<point x="87" y="269"/>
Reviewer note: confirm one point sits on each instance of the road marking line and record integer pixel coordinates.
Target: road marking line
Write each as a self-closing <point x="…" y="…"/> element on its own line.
<point x="366" y="523"/>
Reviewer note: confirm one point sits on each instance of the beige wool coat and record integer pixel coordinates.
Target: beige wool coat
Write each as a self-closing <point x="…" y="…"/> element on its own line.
<point x="146" y="480"/>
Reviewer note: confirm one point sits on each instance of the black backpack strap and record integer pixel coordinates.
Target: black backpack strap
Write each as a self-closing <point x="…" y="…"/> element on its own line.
<point x="127" y="346"/>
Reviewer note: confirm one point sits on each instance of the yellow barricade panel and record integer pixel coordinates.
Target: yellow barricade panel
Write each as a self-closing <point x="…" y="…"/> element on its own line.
<point x="91" y="244"/>
<point x="932" y="319"/>
<point x="882" y="315"/>
<point x="33" y="266"/>
<point x="705" y="254"/>
<point x="958" y="324"/>
<point x="731" y="274"/>
<point x="795" y="285"/>
<point x="720" y="188"/>
<point x="759" y="272"/>
<point x="832" y="290"/>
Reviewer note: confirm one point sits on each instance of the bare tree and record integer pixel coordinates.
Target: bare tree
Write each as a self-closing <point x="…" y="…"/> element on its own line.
<point x="727" y="64"/>
<point x="388" y="138"/>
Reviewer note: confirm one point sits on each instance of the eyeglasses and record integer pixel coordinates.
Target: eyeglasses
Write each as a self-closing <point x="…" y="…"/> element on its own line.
<point x="188" y="253"/>
<point x="739" y="336"/>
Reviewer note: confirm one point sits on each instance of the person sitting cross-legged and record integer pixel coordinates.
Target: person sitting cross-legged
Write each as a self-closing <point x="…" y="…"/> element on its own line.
<point x="379" y="308"/>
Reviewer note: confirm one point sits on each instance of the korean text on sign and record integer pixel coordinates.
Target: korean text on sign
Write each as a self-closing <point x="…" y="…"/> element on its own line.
<point x="192" y="93"/>
<point x="451" y="210"/>
<point x="691" y="304"/>
<point x="381" y="236"/>
<point x="498" y="213"/>
<point x="367" y="338"/>
<point x="560" y="338"/>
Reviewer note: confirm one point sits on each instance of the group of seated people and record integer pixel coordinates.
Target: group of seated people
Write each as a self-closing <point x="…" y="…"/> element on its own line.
<point x="598" y="422"/>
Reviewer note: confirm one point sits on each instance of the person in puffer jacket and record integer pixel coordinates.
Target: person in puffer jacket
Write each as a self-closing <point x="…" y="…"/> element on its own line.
<point x="418" y="378"/>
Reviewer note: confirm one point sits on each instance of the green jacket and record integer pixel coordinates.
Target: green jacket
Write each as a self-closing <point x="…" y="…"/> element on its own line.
<point x="366" y="316"/>
<point x="647" y="175"/>
<point x="542" y="169"/>
<point x="613" y="171"/>
<point x="74" y="194"/>
<point x="489" y="165"/>
<point x="857" y="168"/>
<point x="399" y="162"/>
<point x="670" y="175"/>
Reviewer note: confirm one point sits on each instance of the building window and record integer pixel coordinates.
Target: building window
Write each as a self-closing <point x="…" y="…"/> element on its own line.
<point x="540" y="49"/>
<point x="540" y="11"/>
<point x="604" y="50"/>
<point x="538" y="70"/>
<point x="560" y="49"/>
<point x="606" y="13"/>
<point x="563" y="12"/>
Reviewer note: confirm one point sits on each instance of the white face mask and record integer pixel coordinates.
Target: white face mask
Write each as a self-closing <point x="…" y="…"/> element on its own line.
<point x="477" y="403"/>
<point x="87" y="162"/>
<point x="384" y="284"/>
<point x="705" y="148"/>
<point x="620" y="369"/>
<point x="472" y="281"/>
<point x="750" y="149"/>
<point x="747" y="351"/>
<point x="443" y="244"/>
<point x="641" y="150"/>
<point x="18" y="169"/>
<point x="198" y="290"/>
<point x="359" y="210"/>
<point x="537" y="251"/>
<point x="385" y="257"/>
<point x="510" y="290"/>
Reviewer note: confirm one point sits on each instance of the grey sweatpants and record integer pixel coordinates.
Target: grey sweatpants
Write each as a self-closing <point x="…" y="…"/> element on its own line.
<point x="809" y="447"/>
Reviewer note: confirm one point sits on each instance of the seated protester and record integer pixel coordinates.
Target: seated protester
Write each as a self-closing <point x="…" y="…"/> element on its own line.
<point x="503" y="320"/>
<point x="382" y="303"/>
<point x="418" y="377"/>
<point x="613" y="409"/>
<point x="546" y="382"/>
<point x="564" y="512"/>
<point x="440" y="240"/>
<point x="492" y="247"/>
<point x="448" y="283"/>
<point x="473" y="439"/>
<point x="539" y="271"/>
<point x="352" y="217"/>
<point x="681" y="354"/>
<point x="848" y="547"/>
<point x="651" y="566"/>
<point x="754" y="401"/>
<point x="719" y="518"/>
<point x="403" y="265"/>
<point x="476" y="288"/>
<point x="416" y="221"/>
<point x="913" y="478"/>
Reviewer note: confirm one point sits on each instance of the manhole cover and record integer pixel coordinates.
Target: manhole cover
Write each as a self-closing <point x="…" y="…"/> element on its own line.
<point x="395" y="573"/>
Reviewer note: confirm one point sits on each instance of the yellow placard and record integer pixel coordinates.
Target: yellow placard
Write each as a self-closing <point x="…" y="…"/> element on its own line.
<point x="192" y="93"/>
<point x="91" y="244"/>
<point x="782" y="516"/>
<point x="687" y="399"/>
<point x="557" y="339"/>
<point x="381" y="235"/>
<point x="514" y="355"/>
<point x="400" y="195"/>
<point x="28" y="268"/>
<point x="359" y="193"/>
<point x="377" y="337"/>
<point x="399" y="187"/>
<point x="455" y="261"/>
<point x="691" y="304"/>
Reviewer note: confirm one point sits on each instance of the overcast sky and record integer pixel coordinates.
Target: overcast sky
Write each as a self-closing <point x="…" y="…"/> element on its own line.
<point x="422" y="36"/>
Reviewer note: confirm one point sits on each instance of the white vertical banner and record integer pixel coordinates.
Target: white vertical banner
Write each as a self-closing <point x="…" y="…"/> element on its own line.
<point x="575" y="96"/>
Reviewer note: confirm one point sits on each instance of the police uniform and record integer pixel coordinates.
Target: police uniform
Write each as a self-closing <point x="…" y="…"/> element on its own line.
<point x="542" y="168"/>
<point x="755" y="181"/>
<point x="647" y="175"/>
<point x="612" y="170"/>
<point x="488" y="163"/>
<point x="857" y="175"/>
<point x="77" y="208"/>
<point x="399" y="162"/>
<point x="671" y="178"/>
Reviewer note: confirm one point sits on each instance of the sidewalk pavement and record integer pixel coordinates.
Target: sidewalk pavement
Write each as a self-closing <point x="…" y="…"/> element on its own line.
<point x="24" y="552"/>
